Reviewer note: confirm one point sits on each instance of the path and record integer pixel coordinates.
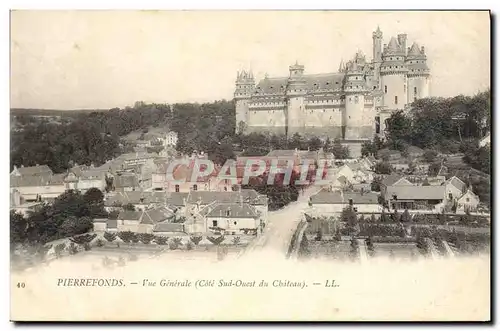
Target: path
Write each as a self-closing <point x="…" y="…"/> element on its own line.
<point x="281" y="225"/>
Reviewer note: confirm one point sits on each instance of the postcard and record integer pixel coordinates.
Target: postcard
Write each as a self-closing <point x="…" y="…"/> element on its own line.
<point x="250" y="166"/>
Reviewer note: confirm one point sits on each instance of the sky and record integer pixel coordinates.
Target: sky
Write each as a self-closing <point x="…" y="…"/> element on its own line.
<point x="105" y="59"/>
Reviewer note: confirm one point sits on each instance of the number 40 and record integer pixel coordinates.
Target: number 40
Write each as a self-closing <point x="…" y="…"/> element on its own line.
<point x="21" y="285"/>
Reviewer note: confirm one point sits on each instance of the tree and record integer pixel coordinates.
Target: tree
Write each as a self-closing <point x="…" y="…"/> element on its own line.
<point x="93" y="196"/>
<point x="126" y="236"/>
<point x="146" y="238"/>
<point x="314" y="144"/>
<point x="348" y="216"/>
<point x="109" y="236"/>
<point x="18" y="227"/>
<point x="236" y="240"/>
<point x="406" y="217"/>
<point x="196" y="239"/>
<point x="375" y="185"/>
<point x="399" y="130"/>
<point x="383" y="168"/>
<point x="160" y="240"/>
<point x="434" y="168"/>
<point x="83" y="239"/>
<point x="429" y="155"/>
<point x="339" y="151"/>
<point x="216" y="240"/>
<point x="74" y="226"/>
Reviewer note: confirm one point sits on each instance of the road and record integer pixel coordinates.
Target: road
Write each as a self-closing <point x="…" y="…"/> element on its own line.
<point x="280" y="227"/>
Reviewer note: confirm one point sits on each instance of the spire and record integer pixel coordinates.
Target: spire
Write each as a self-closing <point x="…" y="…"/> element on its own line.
<point x="377" y="33"/>
<point x="341" y="65"/>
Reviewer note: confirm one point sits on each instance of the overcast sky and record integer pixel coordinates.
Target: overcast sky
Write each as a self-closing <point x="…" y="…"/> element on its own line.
<point x="106" y="59"/>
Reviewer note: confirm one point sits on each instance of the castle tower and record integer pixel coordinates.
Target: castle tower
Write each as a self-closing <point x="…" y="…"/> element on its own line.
<point x="393" y="76"/>
<point x="418" y="73"/>
<point x="295" y="94"/>
<point x="377" y="52"/>
<point x="245" y="84"/>
<point x="357" y="118"/>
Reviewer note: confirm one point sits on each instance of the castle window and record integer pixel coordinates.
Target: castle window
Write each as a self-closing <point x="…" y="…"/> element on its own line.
<point x="404" y="87"/>
<point x="415" y="90"/>
<point x="385" y="89"/>
<point x="356" y="99"/>
<point x="396" y="100"/>
<point x="374" y="87"/>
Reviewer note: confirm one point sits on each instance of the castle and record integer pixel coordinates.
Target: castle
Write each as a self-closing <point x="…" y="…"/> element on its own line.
<point x="351" y="104"/>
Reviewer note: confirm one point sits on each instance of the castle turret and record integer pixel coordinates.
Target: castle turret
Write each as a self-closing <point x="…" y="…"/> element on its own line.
<point x="295" y="94"/>
<point x="377" y="45"/>
<point x="245" y="85"/>
<point x="393" y="76"/>
<point x="377" y="54"/>
<point x="418" y="73"/>
<point x="357" y="118"/>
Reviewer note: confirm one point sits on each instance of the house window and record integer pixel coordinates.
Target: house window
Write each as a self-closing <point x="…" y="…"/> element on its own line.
<point x="450" y="196"/>
<point x="235" y="223"/>
<point x="195" y="187"/>
<point x="228" y="212"/>
<point x="177" y="188"/>
<point x="225" y="188"/>
<point x="350" y="202"/>
<point x="395" y="100"/>
<point x="415" y="90"/>
<point x="385" y="88"/>
<point x="377" y="124"/>
<point x="394" y="197"/>
<point x="467" y="199"/>
<point x="214" y="223"/>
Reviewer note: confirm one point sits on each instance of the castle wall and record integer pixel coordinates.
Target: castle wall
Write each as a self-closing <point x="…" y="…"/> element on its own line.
<point x="296" y="114"/>
<point x="266" y="117"/>
<point x="395" y="88"/>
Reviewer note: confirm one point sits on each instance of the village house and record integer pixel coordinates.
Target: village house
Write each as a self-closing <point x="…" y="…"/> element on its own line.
<point x="126" y="182"/>
<point x="142" y="221"/>
<point x="455" y="188"/>
<point x="411" y="197"/>
<point x="393" y="180"/>
<point x="232" y="218"/>
<point x="35" y="188"/>
<point x="18" y="205"/>
<point x="139" y="199"/>
<point x="38" y="170"/>
<point x="333" y="202"/>
<point x="468" y="202"/>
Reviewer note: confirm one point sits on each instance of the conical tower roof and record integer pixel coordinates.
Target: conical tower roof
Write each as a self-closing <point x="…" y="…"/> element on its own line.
<point x="393" y="46"/>
<point x="415" y="52"/>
